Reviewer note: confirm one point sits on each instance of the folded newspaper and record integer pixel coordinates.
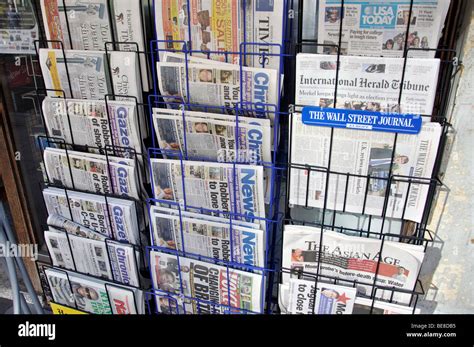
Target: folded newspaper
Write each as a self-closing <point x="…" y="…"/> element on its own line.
<point x="352" y="258"/>
<point x="379" y="28"/>
<point x="114" y="218"/>
<point x="363" y="153"/>
<point x="93" y="295"/>
<point x="92" y="172"/>
<point x="214" y="288"/>
<point x="367" y="83"/>
<point x="222" y="26"/>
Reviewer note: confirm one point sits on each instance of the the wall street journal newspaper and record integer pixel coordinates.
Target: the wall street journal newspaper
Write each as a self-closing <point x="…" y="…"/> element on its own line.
<point x="364" y="153"/>
<point x="87" y="23"/>
<point x="86" y="71"/>
<point x="209" y="283"/>
<point x="353" y="258"/>
<point x="213" y="139"/>
<point x="114" y="218"/>
<point x="379" y="28"/>
<point x="90" y="122"/>
<point x="214" y="186"/>
<point x="207" y="238"/>
<point x="307" y="298"/>
<point x="218" y="26"/>
<point x="92" y="172"/>
<point x="367" y="83"/>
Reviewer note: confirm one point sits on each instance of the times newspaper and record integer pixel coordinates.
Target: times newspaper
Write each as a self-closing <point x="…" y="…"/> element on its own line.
<point x="92" y="172"/>
<point x="220" y="187"/>
<point x="222" y="241"/>
<point x="114" y="218"/>
<point x="213" y="139"/>
<point x="353" y="258"/>
<point x="367" y="83"/>
<point x="372" y="28"/>
<point x="93" y="295"/>
<point x="213" y="289"/>
<point x="218" y="26"/>
<point x="364" y="153"/>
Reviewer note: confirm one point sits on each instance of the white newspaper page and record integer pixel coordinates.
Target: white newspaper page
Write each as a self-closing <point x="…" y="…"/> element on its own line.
<point x="58" y="247"/>
<point x="90" y="256"/>
<point x="123" y="260"/>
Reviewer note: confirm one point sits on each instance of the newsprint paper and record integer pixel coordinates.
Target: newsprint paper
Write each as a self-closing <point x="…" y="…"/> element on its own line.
<point x="218" y="26"/>
<point x="367" y="83"/>
<point x="93" y="295"/>
<point x="209" y="283"/>
<point x="361" y="152"/>
<point x="353" y="258"/>
<point x="378" y="28"/>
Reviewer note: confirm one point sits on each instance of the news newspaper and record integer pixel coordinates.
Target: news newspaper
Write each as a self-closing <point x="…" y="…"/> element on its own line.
<point x="353" y="258"/>
<point x="94" y="173"/>
<point x="93" y="295"/>
<point x="222" y="26"/>
<point x="59" y="222"/>
<point x="222" y="241"/>
<point x="207" y="288"/>
<point x="368" y="155"/>
<point x="209" y="138"/>
<point x="115" y="218"/>
<point x="367" y="83"/>
<point x="379" y="29"/>
<point x="222" y="189"/>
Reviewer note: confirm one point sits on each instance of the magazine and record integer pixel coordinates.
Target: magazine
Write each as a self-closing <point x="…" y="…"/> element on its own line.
<point x="379" y="29"/>
<point x="364" y="153"/>
<point x="210" y="284"/>
<point x="352" y="258"/>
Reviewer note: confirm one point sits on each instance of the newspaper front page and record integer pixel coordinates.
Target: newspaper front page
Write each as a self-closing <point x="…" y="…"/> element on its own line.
<point x="372" y="28"/>
<point x="353" y="258"/>
<point x="209" y="283"/>
<point x="367" y="83"/>
<point x="364" y="153"/>
<point x="124" y="261"/>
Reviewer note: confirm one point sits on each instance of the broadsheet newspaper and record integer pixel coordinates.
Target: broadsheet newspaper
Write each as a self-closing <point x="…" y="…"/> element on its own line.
<point x="367" y="83"/>
<point x="92" y="172"/>
<point x="372" y="28"/>
<point x="364" y="153"/>
<point x="207" y="238"/>
<point x="218" y="26"/>
<point x="210" y="284"/>
<point x="214" y="139"/>
<point x="93" y="295"/>
<point x="114" y="218"/>
<point x="86" y="123"/>
<point x="213" y="186"/>
<point x="86" y="72"/>
<point x="353" y="258"/>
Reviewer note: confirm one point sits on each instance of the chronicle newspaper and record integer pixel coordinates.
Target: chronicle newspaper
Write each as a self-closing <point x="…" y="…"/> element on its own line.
<point x="369" y="156"/>
<point x="207" y="288"/>
<point x="372" y="28"/>
<point x="392" y="265"/>
<point x="215" y="27"/>
<point x="367" y="83"/>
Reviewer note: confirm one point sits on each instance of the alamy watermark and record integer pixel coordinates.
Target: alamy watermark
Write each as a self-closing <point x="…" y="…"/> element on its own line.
<point x="26" y="250"/>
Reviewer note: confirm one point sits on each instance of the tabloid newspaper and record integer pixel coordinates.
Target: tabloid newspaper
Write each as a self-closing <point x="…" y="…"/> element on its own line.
<point x="214" y="139"/>
<point x="372" y="28"/>
<point x="211" y="186"/>
<point x="93" y="295"/>
<point x="218" y="26"/>
<point x="361" y="81"/>
<point x="364" y="153"/>
<point x="86" y="71"/>
<point x="208" y="238"/>
<point x="114" y="218"/>
<point x="90" y="122"/>
<point x="307" y="298"/>
<point x="210" y="284"/>
<point x="353" y="258"/>
<point x="92" y="172"/>
<point x="87" y="23"/>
